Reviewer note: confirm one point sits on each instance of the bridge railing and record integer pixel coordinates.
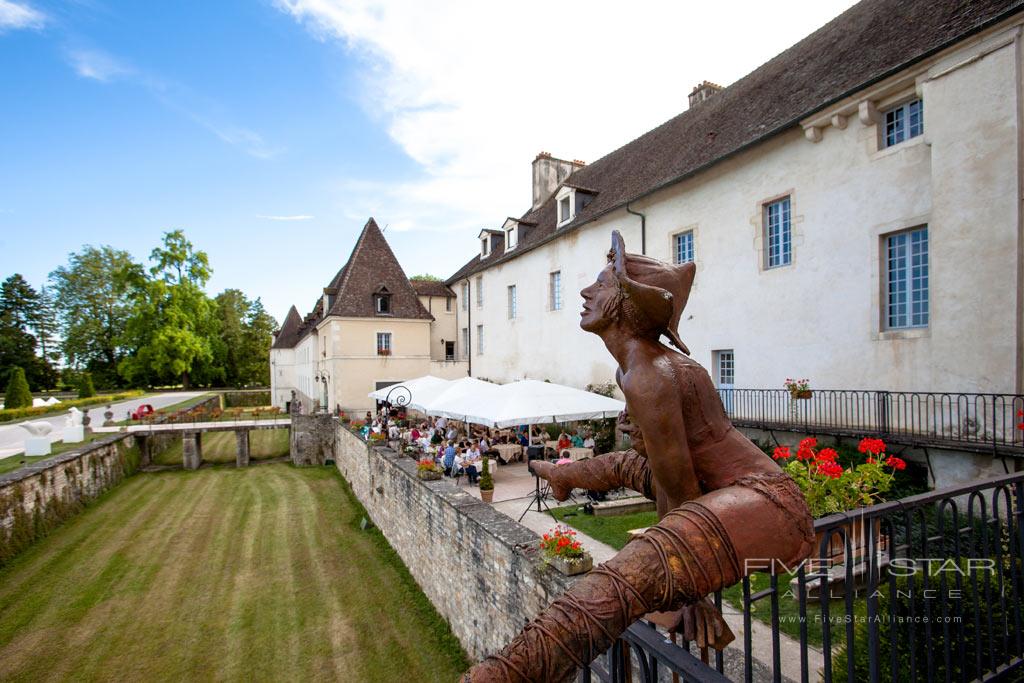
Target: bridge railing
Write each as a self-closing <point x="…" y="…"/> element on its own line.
<point x="976" y="421"/>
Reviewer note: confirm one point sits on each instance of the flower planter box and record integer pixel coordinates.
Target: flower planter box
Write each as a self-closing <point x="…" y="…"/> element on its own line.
<point x="857" y="534"/>
<point x="427" y="475"/>
<point x="580" y="566"/>
<point x="802" y="394"/>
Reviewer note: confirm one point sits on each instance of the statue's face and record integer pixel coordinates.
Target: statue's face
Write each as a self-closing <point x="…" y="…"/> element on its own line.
<point x="598" y="301"/>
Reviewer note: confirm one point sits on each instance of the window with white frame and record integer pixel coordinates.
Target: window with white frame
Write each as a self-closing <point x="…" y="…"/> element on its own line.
<point x="725" y="368"/>
<point x="903" y="122"/>
<point x="448" y="304"/>
<point x="383" y="343"/>
<point x="465" y="342"/>
<point x="465" y="296"/>
<point x="479" y="340"/>
<point x="682" y="247"/>
<point x="555" y="291"/>
<point x="511" y="302"/>
<point x="511" y="238"/>
<point x="480" y="291"/>
<point x="906" y="258"/>
<point x="565" y="209"/>
<point x="777" y="234"/>
<point x="485" y="247"/>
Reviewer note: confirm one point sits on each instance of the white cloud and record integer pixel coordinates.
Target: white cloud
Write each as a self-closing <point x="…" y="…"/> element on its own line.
<point x="97" y="65"/>
<point x="17" y="16"/>
<point x="473" y="90"/>
<point x="300" y="217"/>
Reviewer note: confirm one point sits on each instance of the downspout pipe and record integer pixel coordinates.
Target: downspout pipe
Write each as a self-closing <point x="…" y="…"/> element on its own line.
<point x="643" y="228"/>
<point x="469" y="326"/>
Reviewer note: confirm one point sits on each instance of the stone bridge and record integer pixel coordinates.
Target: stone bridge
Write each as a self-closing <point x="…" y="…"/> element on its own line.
<point x="192" y="437"/>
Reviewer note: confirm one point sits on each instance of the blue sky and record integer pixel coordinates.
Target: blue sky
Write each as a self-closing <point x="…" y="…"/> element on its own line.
<point x="270" y="130"/>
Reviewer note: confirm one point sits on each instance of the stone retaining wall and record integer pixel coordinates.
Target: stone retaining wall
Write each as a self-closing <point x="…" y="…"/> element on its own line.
<point x="480" y="569"/>
<point x="41" y="495"/>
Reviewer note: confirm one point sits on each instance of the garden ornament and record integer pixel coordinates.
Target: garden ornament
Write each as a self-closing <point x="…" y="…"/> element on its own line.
<point x="74" y="418"/>
<point x="37" y="428"/>
<point x="721" y="501"/>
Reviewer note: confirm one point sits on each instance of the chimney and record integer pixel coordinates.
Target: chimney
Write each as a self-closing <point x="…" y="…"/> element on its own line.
<point x="703" y="91"/>
<point x="548" y="174"/>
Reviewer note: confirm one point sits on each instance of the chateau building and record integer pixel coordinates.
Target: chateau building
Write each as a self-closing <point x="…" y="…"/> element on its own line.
<point x="853" y="207"/>
<point x="371" y="327"/>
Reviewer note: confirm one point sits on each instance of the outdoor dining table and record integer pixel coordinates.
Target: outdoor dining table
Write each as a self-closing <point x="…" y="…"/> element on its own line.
<point x="508" y="451"/>
<point x="577" y="453"/>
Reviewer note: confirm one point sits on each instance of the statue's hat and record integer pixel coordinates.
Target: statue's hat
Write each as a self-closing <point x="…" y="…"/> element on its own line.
<point x="658" y="289"/>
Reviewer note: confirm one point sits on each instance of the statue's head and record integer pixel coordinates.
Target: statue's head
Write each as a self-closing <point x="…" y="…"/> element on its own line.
<point x="642" y="294"/>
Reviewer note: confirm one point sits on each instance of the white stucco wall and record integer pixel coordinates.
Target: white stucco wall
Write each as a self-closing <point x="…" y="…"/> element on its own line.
<point x="821" y="316"/>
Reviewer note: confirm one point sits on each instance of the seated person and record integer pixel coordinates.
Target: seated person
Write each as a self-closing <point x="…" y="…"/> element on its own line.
<point x="589" y="441"/>
<point x="448" y="458"/>
<point x="524" y="440"/>
<point x="577" y="440"/>
<point x="471" y="463"/>
<point x="564" y="442"/>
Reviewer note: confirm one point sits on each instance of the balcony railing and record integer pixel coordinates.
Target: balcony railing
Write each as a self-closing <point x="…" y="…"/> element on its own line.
<point x="979" y="422"/>
<point x="927" y="588"/>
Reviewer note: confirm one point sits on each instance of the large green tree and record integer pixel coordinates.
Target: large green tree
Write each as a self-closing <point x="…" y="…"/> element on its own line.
<point x="245" y="333"/>
<point x="172" y="323"/>
<point x="91" y="294"/>
<point x="19" y="311"/>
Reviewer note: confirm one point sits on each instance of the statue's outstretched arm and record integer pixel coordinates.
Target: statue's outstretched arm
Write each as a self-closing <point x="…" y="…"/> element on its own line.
<point x="602" y="473"/>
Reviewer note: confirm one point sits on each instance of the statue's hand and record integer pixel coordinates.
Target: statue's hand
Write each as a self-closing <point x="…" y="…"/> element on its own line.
<point x="560" y="488"/>
<point x="703" y="624"/>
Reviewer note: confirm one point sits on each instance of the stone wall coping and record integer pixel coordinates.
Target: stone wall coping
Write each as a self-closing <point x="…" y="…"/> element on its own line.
<point x="503" y="528"/>
<point x="34" y="468"/>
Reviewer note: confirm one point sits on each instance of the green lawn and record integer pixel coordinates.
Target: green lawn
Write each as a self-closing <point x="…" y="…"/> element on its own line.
<point x="220" y="447"/>
<point x="222" y="574"/>
<point x="614" y="531"/>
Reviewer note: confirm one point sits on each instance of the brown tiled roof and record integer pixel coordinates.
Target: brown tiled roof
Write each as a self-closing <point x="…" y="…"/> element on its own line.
<point x="869" y="42"/>
<point x="431" y="288"/>
<point x="371" y="267"/>
<point x="288" y="335"/>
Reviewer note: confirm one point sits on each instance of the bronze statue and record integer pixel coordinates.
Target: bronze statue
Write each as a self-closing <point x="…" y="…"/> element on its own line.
<point x="721" y="501"/>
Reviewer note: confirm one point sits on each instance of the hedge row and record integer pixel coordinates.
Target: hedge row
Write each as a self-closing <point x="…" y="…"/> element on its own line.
<point x="21" y="413"/>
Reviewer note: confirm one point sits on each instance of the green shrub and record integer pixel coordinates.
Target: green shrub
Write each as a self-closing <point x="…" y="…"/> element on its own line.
<point x="18" y="394"/>
<point x="85" y="386"/>
<point x="486" y="480"/>
<point x="21" y="413"/>
<point x="246" y="399"/>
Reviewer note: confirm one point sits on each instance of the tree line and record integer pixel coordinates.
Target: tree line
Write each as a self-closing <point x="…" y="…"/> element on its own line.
<point x="105" y="318"/>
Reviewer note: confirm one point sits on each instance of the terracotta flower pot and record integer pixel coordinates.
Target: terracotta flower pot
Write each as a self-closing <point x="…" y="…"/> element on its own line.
<point x="487" y="495"/>
<point x="581" y="566"/>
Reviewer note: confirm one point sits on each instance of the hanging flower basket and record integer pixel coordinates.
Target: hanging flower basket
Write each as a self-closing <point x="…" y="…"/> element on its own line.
<point x="802" y="394"/>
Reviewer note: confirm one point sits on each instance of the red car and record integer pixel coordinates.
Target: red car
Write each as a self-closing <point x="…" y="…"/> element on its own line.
<point x="142" y="411"/>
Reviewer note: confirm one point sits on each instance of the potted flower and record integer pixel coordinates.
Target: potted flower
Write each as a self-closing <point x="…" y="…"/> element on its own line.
<point x="486" y="482"/>
<point x="798" y="388"/>
<point x="428" y="470"/>
<point x="830" y="488"/>
<point x="564" y="552"/>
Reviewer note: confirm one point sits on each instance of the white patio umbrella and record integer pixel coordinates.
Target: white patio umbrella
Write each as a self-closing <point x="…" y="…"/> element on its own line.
<point x="468" y="399"/>
<point x="529" y="401"/>
<point x="422" y="390"/>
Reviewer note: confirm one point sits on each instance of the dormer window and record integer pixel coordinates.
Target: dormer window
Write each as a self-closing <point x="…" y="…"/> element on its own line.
<point x="565" y="212"/>
<point x="511" y="237"/>
<point x="488" y="241"/>
<point x="485" y="247"/>
<point x="382" y="301"/>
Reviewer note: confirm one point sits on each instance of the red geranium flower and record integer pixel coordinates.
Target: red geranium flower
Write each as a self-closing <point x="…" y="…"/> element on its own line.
<point x="896" y="463"/>
<point x="830" y="469"/>
<point x="805" y="454"/>
<point x="781" y="453"/>
<point x="872" y="446"/>
<point x="827" y="454"/>
<point x="809" y="442"/>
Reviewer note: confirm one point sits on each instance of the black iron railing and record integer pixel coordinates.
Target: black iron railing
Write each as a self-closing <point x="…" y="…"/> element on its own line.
<point x="975" y="421"/>
<point x="928" y="588"/>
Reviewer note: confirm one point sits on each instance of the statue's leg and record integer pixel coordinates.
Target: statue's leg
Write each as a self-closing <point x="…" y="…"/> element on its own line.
<point x="696" y="549"/>
<point x="602" y="473"/>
